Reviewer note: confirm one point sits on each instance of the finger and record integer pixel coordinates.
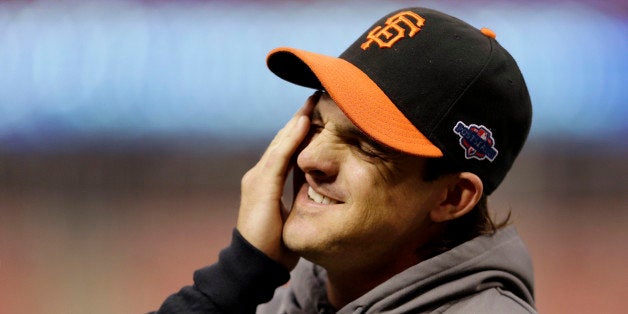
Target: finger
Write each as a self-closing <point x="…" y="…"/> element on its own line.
<point x="305" y="110"/>
<point x="311" y="101"/>
<point x="288" y="139"/>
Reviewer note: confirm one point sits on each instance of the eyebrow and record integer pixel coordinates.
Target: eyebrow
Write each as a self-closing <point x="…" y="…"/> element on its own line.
<point x="316" y="114"/>
<point x="354" y="131"/>
<point x="359" y="134"/>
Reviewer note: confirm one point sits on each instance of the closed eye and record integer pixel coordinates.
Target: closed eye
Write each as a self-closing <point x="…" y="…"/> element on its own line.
<point x="369" y="150"/>
<point x="370" y="147"/>
<point x="316" y="128"/>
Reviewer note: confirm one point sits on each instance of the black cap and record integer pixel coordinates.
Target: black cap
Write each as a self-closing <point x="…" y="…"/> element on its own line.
<point x="427" y="84"/>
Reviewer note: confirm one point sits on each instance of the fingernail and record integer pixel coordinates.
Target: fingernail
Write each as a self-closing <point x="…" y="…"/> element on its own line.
<point x="302" y="120"/>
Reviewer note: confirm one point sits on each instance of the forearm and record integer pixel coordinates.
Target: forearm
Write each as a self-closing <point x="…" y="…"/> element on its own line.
<point x="242" y="278"/>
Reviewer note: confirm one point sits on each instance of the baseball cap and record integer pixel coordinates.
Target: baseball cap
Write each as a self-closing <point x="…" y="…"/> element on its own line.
<point x="427" y="84"/>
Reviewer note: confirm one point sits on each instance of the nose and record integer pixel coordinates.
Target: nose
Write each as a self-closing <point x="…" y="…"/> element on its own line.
<point x="319" y="159"/>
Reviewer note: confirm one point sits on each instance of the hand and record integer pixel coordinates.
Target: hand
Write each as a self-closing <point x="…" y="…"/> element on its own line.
<point x="262" y="214"/>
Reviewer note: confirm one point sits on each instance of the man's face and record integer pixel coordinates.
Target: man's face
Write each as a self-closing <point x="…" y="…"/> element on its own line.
<point x="356" y="202"/>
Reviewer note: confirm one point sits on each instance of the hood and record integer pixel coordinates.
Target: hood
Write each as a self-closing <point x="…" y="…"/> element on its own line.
<point x="497" y="261"/>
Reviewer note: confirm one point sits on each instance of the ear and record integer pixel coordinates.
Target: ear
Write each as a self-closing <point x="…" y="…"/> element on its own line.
<point x="461" y="192"/>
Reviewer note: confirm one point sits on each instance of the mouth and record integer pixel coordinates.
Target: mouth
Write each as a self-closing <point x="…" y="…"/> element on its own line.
<point x="319" y="198"/>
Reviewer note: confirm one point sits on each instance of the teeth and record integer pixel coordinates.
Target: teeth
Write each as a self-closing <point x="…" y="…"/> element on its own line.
<point x="321" y="199"/>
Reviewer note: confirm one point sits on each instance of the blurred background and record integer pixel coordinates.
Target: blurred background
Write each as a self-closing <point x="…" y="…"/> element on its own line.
<point x="125" y="127"/>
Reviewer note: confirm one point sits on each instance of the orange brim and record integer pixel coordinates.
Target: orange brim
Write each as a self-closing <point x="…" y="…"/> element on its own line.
<point x="362" y="101"/>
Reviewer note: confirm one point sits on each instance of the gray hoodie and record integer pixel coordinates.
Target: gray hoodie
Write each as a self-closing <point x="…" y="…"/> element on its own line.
<point x="489" y="274"/>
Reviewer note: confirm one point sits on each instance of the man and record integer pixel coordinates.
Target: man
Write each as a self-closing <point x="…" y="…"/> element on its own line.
<point x="410" y="129"/>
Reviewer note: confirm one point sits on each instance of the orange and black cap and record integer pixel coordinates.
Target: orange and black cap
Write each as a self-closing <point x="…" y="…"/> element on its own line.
<point x="427" y="84"/>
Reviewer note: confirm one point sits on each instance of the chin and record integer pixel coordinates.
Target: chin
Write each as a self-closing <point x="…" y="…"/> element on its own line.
<point x="296" y="233"/>
<point x="301" y="235"/>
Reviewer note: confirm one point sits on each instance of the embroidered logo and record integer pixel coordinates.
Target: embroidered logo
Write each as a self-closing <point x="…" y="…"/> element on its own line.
<point x="477" y="141"/>
<point x="393" y="31"/>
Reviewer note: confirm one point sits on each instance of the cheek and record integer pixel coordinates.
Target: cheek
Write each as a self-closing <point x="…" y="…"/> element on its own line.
<point x="367" y="185"/>
<point x="403" y="204"/>
<point x="372" y="199"/>
<point x="361" y="185"/>
<point x="397" y="199"/>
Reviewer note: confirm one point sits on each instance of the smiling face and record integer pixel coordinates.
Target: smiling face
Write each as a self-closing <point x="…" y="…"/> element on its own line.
<point x="357" y="204"/>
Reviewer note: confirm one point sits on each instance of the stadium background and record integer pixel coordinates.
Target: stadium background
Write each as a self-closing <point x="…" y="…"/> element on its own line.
<point x="125" y="127"/>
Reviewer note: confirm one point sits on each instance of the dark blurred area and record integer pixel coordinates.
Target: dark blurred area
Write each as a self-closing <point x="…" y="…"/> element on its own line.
<point x="112" y="232"/>
<point x="109" y="201"/>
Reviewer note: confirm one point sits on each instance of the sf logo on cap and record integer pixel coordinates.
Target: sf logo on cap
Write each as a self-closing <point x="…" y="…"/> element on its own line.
<point x="388" y="35"/>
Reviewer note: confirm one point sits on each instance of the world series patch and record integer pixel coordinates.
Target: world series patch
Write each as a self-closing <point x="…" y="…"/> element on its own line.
<point x="477" y="141"/>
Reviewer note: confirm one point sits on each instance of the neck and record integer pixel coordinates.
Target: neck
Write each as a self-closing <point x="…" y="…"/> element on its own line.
<point x="345" y="286"/>
<point x="341" y="291"/>
<point x="351" y="277"/>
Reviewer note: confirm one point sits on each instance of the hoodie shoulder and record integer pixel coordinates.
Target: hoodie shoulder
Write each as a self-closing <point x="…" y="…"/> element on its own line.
<point x="496" y="300"/>
<point x="489" y="274"/>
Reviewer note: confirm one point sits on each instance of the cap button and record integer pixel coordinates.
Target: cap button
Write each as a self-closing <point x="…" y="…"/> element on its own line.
<point x="488" y="33"/>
